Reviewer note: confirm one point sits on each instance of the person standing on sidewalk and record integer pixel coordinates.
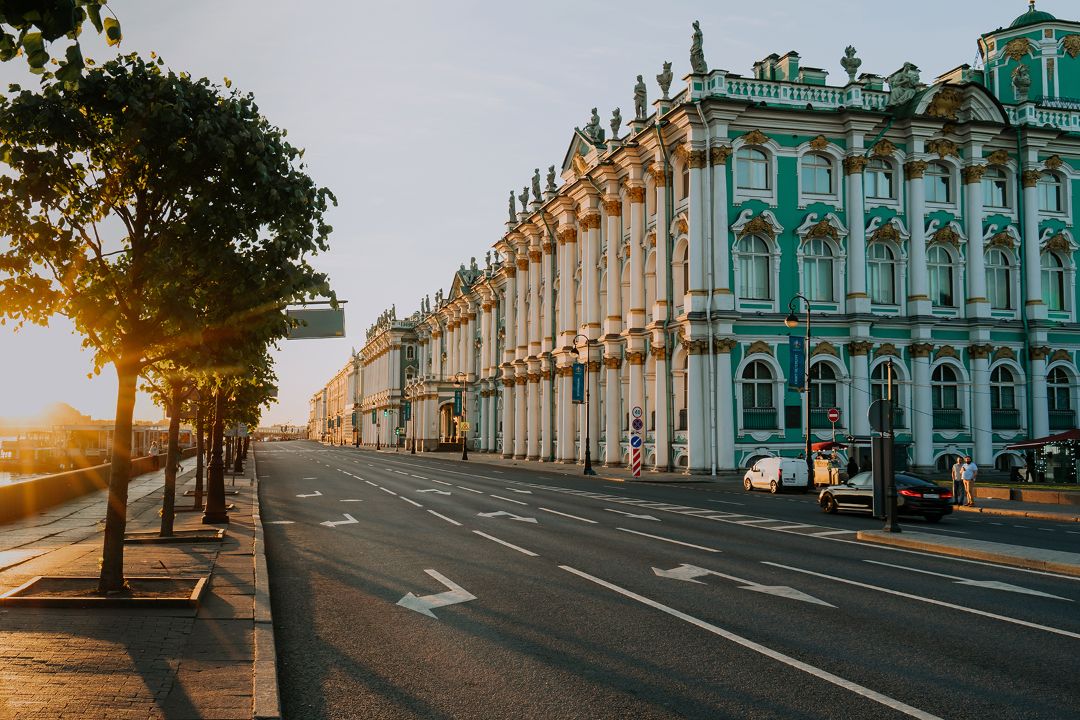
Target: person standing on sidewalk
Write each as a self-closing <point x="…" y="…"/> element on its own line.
<point x="958" y="481"/>
<point x="970" y="474"/>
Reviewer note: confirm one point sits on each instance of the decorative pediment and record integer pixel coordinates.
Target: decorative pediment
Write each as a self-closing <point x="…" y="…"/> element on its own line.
<point x="829" y="226"/>
<point x="1006" y="239"/>
<point x="819" y="143"/>
<point x="949" y="234"/>
<point x="755" y="137"/>
<point x="1061" y="355"/>
<point x="1017" y="48"/>
<point x="759" y="347"/>
<point x="883" y="149"/>
<point x="763" y="224"/>
<point x="1060" y="242"/>
<point x="942" y="147"/>
<point x="892" y="230"/>
<point x="998" y="157"/>
<point x="1054" y="161"/>
<point x="886" y="350"/>
<point x="1071" y="45"/>
<point x="946" y="351"/>
<point x="946" y="102"/>
<point x="680" y="226"/>
<point x="825" y="348"/>
<point x="1004" y="353"/>
<point x="576" y="159"/>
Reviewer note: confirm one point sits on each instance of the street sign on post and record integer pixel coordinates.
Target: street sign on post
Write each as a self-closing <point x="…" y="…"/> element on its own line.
<point x="834" y="415"/>
<point x="408" y="410"/>
<point x="457" y="403"/>
<point x="636" y="443"/>
<point x="796" y="362"/>
<point x="578" y="384"/>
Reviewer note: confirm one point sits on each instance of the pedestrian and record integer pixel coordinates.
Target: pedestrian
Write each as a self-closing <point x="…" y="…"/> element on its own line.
<point x="958" y="481"/>
<point x="970" y="475"/>
<point x="852" y="467"/>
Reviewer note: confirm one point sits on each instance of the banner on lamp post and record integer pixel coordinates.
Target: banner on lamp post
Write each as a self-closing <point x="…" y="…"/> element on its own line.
<point x="578" y="384"/>
<point x="796" y="362"/>
<point x="457" y="403"/>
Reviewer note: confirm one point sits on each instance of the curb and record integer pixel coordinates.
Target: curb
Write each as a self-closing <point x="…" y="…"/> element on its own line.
<point x="1004" y="512"/>
<point x="1065" y="564"/>
<point x="267" y="700"/>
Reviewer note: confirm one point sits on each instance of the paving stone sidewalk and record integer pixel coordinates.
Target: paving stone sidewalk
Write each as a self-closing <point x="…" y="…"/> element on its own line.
<point x="121" y="664"/>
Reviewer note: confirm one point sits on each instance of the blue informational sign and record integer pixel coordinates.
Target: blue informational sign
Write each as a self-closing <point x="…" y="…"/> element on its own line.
<point x="796" y="362"/>
<point x="578" y="384"/>
<point x="635" y="441"/>
<point x="408" y="411"/>
<point x="457" y="402"/>
<point x="374" y="417"/>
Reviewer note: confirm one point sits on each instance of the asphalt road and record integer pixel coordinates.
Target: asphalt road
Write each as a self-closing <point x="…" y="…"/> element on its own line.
<point x="470" y="591"/>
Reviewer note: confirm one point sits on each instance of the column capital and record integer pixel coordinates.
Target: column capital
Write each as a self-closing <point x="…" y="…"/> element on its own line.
<point x="659" y="352"/>
<point x="635" y="193"/>
<point x="854" y="164"/>
<point x="921" y="350"/>
<point x="567" y="235"/>
<point x="860" y="347"/>
<point x="914" y="169"/>
<point x="658" y="176"/>
<point x="724" y="345"/>
<point x="589" y="220"/>
<point x="1030" y="178"/>
<point x="535" y="255"/>
<point x="719" y="154"/>
<point x="697" y="159"/>
<point x="980" y="352"/>
<point x="522" y="262"/>
<point x="612" y="362"/>
<point x="613" y="207"/>
<point x="972" y="174"/>
<point x="564" y="370"/>
<point x="1039" y="352"/>
<point x="635" y="357"/>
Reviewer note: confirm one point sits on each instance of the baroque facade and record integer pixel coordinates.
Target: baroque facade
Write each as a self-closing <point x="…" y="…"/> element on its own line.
<point x="929" y="225"/>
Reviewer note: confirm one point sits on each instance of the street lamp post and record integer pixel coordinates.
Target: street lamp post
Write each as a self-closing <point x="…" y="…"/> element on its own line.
<point x="588" y="425"/>
<point x="412" y="426"/>
<point x="792" y="322"/>
<point x="463" y="379"/>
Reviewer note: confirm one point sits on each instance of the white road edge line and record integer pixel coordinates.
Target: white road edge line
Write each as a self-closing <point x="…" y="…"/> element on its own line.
<point x="763" y="650"/>
<point x="556" y="512"/>
<point x="942" y="603"/>
<point x="452" y="522"/>
<point x="516" y="502"/>
<point x="509" y="545"/>
<point x="676" y="542"/>
<point x="411" y="502"/>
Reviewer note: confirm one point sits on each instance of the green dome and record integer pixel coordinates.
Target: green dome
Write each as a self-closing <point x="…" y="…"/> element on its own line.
<point x="1032" y="17"/>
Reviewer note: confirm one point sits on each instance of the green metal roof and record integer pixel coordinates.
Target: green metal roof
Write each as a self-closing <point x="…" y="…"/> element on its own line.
<point x="1032" y="17"/>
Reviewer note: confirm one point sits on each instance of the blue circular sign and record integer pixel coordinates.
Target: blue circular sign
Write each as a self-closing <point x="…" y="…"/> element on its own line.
<point x="635" y="441"/>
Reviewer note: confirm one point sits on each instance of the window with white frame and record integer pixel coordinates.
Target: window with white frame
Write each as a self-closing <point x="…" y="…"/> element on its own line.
<point x="410" y="352"/>
<point x="881" y="263"/>
<point x="1050" y="192"/>
<point x="823" y="386"/>
<point x="879" y="384"/>
<point x="684" y="181"/>
<point x="878" y="179"/>
<point x="1058" y="393"/>
<point x="757" y="386"/>
<point x="818" y="270"/>
<point x="751" y="169"/>
<point x="755" y="268"/>
<point x="945" y="388"/>
<point x="940" y="264"/>
<point x="938" y="183"/>
<point x="1053" y="281"/>
<point x="1002" y="388"/>
<point x="817" y="175"/>
<point x="995" y="188"/>
<point x="999" y="279"/>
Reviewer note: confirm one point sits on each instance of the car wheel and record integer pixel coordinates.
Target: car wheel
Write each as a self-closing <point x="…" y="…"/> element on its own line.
<point x="773" y="487"/>
<point x="932" y="517"/>
<point x="828" y="504"/>
<point x="747" y="485"/>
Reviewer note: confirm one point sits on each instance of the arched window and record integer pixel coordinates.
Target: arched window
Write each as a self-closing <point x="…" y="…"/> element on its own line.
<point x="878" y="179"/>
<point x="818" y="270"/>
<point x="817" y="175"/>
<point x="684" y="189"/>
<point x="999" y="279"/>
<point x="882" y="275"/>
<point x="822" y="386"/>
<point x="938" y="183"/>
<point x="1053" y="281"/>
<point x="1002" y="389"/>
<point x="1049" y="188"/>
<point x="940" y="264"/>
<point x="757" y="389"/>
<point x="879" y="390"/>
<point x="755" y="263"/>
<point x="994" y="187"/>
<point x="945" y="394"/>
<point x="1057" y="390"/>
<point x="751" y="169"/>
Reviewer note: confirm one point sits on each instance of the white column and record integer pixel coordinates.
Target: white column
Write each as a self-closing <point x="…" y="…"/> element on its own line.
<point x="918" y="299"/>
<point x="697" y="423"/>
<point x="857" y="299"/>
<point x="532" y="446"/>
<point x="1040" y="409"/>
<point x="659" y="308"/>
<point x="568" y="324"/>
<point x="1032" y="258"/>
<point x="612" y="406"/>
<point x="725" y="406"/>
<point x="522" y="351"/>
<point x="636" y="314"/>
<point x="922" y="422"/>
<point x="567" y="417"/>
<point x="660" y="394"/>
<point x="546" y="272"/>
<point x="977" y="303"/>
<point x="546" y="401"/>
<point x="859" y="422"/>
<point x="590" y="275"/>
<point x="980" y="422"/>
<point x="698" y="216"/>
<point x="613" y="318"/>
<point x="507" y="379"/>
<point x="535" y="270"/>
<point x="720" y="234"/>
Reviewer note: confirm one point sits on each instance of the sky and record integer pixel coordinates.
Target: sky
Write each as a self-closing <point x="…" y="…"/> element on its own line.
<point x="421" y="116"/>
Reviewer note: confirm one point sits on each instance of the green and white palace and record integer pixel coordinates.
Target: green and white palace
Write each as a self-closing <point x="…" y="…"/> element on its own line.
<point x="928" y="223"/>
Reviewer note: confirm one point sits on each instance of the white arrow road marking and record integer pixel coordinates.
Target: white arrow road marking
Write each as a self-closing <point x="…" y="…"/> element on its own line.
<point x="314" y="494"/>
<point x="639" y="517"/>
<point x="989" y="584"/>
<point x="512" y="516"/>
<point x="280" y="522"/>
<point x="690" y="572"/>
<point x="349" y="520"/>
<point x="523" y="492"/>
<point x="424" y="604"/>
<point x="435" y="490"/>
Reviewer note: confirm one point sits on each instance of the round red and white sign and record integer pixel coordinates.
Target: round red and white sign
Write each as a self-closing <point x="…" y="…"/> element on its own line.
<point x="834" y="415"/>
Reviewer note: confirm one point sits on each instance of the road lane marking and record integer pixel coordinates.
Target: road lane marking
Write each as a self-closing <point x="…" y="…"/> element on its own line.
<point x="411" y="502"/>
<point x="791" y="527"/>
<point x="676" y="542"/>
<point x="752" y="522"/>
<point x="456" y="594"/>
<point x="452" y="522"/>
<point x="371" y="483"/>
<point x="761" y="649"/>
<point x="314" y="494"/>
<point x="628" y="514"/>
<point x="690" y="573"/>
<point x="478" y="492"/>
<point x="418" y="477"/>
<point x="556" y="512"/>
<point x="725" y="502"/>
<point x="441" y="482"/>
<point x="991" y="584"/>
<point x="280" y="522"/>
<point x="830" y="532"/>
<point x="509" y="545"/>
<point x="516" y="502"/>
<point x="352" y="500"/>
<point x="388" y="490"/>
<point x="942" y="603"/>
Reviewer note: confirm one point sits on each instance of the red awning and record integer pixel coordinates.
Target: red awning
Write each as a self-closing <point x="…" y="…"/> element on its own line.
<point x="827" y="445"/>
<point x="1067" y="436"/>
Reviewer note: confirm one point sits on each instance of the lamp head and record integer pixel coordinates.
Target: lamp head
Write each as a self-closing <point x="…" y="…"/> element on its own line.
<point x="791" y="321"/>
<point x="574" y="351"/>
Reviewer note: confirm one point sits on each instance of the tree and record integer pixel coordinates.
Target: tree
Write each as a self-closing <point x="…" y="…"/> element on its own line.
<point x="127" y="198"/>
<point x="171" y="387"/>
<point x="27" y="25"/>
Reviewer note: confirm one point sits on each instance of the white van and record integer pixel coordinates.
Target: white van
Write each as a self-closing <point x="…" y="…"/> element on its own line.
<point x="776" y="474"/>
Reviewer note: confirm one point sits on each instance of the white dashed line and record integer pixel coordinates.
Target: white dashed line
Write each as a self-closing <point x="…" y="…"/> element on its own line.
<point x="676" y="542"/>
<point x="509" y="545"/>
<point x="441" y="482"/>
<point x="388" y="490"/>
<point x="575" y="517"/>
<point x="516" y="502"/>
<point x="371" y="483"/>
<point x="478" y="492"/>
<point x="411" y="502"/>
<point x="443" y="517"/>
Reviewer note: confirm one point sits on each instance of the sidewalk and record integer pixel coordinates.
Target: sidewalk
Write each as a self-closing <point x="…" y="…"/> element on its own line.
<point x="125" y="664"/>
<point x="1056" y="561"/>
<point x="1017" y="508"/>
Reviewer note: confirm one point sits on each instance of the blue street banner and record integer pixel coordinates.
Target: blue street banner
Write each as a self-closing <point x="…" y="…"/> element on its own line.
<point x="578" y="384"/>
<point x="374" y="417"/>
<point x="796" y="362"/>
<point x="408" y="411"/>
<point x="457" y="403"/>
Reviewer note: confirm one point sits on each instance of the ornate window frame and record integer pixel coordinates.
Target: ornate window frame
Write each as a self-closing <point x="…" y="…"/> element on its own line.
<point x="895" y="162"/>
<point x="963" y="395"/>
<point x="901" y="379"/>
<point x="772" y="151"/>
<point x="952" y="239"/>
<point x="1065" y="179"/>
<point x="835" y="156"/>
<point x="1019" y="386"/>
<point x="778" y="395"/>
<point x="843" y="388"/>
<point x="1062" y="245"/>
<point x="955" y="187"/>
<point x="834" y="234"/>
<point x="768" y="228"/>
<point x="1007" y="241"/>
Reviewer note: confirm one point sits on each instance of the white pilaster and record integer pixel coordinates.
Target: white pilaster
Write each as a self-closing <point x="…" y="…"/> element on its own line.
<point x="663" y="437"/>
<point x="857" y="299"/>
<point x="918" y="298"/>
<point x="922" y="422"/>
<point x="636" y="314"/>
<point x="981" y="423"/>
<point x="612" y="407"/>
<point x="977" y="303"/>
<point x="697" y="423"/>
<point x="1033" y="301"/>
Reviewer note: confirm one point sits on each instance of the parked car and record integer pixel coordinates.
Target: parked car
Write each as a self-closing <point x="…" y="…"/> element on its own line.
<point x="776" y="474"/>
<point x="914" y="496"/>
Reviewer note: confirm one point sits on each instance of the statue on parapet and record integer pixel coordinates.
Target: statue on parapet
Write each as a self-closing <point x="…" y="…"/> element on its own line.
<point x="664" y="79"/>
<point x="513" y="210"/>
<point x="593" y="131"/>
<point x="640" y="99"/>
<point x="523" y="198"/>
<point x="487" y="260"/>
<point x="536" y="186"/>
<point x="903" y="84"/>
<point x="1021" y="82"/>
<point x="473" y="268"/>
<point x="850" y="63"/>
<point x="697" y="52"/>
<point x="616" y="123"/>
<point x="550" y="180"/>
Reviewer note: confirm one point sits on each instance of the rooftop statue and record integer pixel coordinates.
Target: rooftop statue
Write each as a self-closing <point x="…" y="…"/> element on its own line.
<point x="903" y="84"/>
<point x="850" y="63"/>
<point x="593" y="131"/>
<point x="523" y="198"/>
<point x="487" y="260"/>
<point x="1021" y="82"/>
<point x="536" y="185"/>
<point x="513" y="210"/>
<point x="473" y="267"/>
<point x="393" y="312"/>
<point x="697" y="52"/>
<point x="616" y="123"/>
<point x="664" y="79"/>
<point x="550" y="180"/>
<point x="640" y="99"/>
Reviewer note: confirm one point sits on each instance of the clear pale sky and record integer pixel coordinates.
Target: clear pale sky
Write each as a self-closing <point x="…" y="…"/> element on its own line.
<point x="422" y="116"/>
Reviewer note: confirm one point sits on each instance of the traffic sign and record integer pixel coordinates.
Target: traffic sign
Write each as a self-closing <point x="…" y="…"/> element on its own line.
<point x="637" y="425"/>
<point x="635" y="441"/>
<point x="635" y="461"/>
<point x="834" y="415"/>
<point x="636" y="412"/>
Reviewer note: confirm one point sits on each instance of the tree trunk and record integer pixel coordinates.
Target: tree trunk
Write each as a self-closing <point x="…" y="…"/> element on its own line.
<point x="199" y="447"/>
<point x="215" y="476"/>
<point x="238" y="456"/>
<point x="172" y="462"/>
<point x="111" y="579"/>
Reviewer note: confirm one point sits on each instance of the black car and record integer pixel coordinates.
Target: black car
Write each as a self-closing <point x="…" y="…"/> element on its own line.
<point x="913" y="496"/>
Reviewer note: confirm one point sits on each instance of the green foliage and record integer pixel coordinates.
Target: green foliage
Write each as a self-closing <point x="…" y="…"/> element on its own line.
<point x="27" y="25"/>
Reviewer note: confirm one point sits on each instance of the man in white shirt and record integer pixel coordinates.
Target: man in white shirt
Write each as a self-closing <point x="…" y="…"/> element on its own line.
<point x="970" y="473"/>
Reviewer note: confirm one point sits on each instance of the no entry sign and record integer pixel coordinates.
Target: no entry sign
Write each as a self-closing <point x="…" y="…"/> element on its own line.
<point x="834" y="415"/>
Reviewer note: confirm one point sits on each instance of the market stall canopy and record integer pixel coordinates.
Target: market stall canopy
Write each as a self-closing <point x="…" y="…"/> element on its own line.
<point x="827" y="445"/>
<point x="1068" y="436"/>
